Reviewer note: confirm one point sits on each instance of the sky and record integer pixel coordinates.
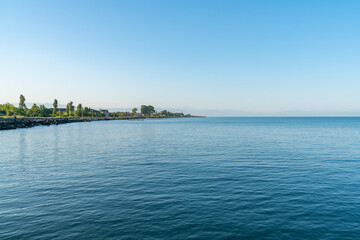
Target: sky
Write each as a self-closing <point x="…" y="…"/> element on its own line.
<point x="210" y="57"/>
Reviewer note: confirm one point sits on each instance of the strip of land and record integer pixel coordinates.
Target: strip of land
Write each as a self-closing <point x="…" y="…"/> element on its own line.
<point x="14" y="123"/>
<point x="12" y="117"/>
<point x="9" y="123"/>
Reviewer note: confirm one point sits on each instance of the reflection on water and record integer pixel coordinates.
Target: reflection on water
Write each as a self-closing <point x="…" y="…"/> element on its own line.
<point x="22" y="145"/>
<point x="55" y="139"/>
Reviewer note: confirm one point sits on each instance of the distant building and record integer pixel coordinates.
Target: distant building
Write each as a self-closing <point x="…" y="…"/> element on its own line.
<point x="105" y="112"/>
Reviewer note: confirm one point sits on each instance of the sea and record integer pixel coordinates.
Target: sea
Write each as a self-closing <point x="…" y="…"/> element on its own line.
<point x="186" y="178"/>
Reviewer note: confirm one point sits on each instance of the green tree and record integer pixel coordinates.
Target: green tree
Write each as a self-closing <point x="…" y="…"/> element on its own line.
<point x="87" y="112"/>
<point x="22" y="107"/>
<point x="8" y="109"/>
<point x="143" y="109"/>
<point x="19" y="111"/>
<point x="151" y="110"/>
<point x="55" y="107"/>
<point x="34" y="110"/>
<point x="2" y="112"/>
<point x="147" y="110"/>
<point x="70" y="109"/>
<point x="134" y="110"/>
<point x="79" y="111"/>
<point x="165" y="113"/>
<point x="22" y="102"/>
<point x="43" y="111"/>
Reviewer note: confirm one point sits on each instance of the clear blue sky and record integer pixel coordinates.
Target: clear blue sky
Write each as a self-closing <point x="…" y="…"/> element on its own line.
<point x="253" y="56"/>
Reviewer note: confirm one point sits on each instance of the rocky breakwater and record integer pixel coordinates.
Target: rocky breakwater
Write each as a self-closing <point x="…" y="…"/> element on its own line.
<point x="6" y="124"/>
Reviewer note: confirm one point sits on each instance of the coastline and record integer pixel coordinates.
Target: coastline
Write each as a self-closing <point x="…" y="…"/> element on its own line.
<point x="11" y="123"/>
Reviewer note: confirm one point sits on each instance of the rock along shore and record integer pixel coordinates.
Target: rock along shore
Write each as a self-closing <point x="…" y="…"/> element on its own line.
<point x="10" y="123"/>
<point x="7" y="124"/>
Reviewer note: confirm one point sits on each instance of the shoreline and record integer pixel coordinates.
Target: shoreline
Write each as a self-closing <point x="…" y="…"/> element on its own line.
<point x="11" y="123"/>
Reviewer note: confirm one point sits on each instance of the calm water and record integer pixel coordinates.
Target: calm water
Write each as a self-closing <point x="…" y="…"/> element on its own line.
<point x="203" y="178"/>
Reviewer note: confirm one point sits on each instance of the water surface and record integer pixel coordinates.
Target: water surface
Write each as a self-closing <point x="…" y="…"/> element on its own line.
<point x="198" y="178"/>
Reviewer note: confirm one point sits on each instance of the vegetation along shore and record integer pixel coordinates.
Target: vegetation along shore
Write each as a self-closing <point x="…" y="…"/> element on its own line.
<point x="12" y="117"/>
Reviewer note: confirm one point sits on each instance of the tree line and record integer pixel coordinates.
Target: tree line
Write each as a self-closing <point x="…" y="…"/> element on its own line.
<point x="42" y="111"/>
<point x="148" y="111"/>
<point x="78" y="112"/>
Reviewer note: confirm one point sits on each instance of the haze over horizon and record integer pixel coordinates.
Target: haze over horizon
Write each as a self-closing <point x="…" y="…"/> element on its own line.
<point x="215" y="58"/>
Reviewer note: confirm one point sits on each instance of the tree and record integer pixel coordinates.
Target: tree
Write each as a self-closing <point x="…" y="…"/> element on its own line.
<point x="70" y="108"/>
<point x="147" y="110"/>
<point x="22" y="102"/>
<point x="22" y="107"/>
<point x="34" y="110"/>
<point x="79" y="111"/>
<point x="55" y="107"/>
<point x="43" y="111"/>
<point x="164" y="113"/>
<point x="2" y="112"/>
<point x="151" y="109"/>
<point x="8" y="109"/>
<point x="19" y="111"/>
<point x="134" y="110"/>
<point x="87" y="112"/>
<point x="143" y="109"/>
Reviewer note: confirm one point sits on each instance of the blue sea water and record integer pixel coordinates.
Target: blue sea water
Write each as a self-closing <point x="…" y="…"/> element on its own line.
<point x="196" y="178"/>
